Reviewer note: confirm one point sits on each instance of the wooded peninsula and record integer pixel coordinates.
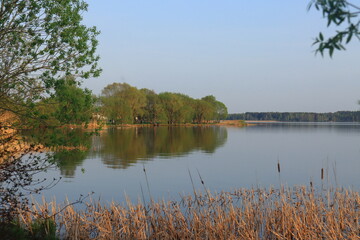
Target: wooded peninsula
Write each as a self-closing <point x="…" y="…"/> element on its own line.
<point x="120" y="103"/>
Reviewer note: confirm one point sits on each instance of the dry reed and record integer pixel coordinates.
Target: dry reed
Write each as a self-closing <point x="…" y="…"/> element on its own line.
<point x="293" y="213"/>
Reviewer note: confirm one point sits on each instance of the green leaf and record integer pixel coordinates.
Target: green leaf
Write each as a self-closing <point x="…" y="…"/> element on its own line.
<point x="331" y="51"/>
<point x="348" y="39"/>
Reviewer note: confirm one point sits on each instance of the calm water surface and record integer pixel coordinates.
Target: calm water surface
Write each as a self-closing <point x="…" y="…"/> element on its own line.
<point x="226" y="158"/>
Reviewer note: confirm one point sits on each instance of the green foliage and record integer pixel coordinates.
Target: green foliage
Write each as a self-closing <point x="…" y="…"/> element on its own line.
<point x="126" y="104"/>
<point x="43" y="229"/>
<point x="69" y="104"/>
<point x="219" y="108"/>
<point x="203" y="111"/>
<point x="12" y="231"/>
<point x="40" y="229"/>
<point x="187" y="111"/>
<point x="45" y="51"/>
<point x="74" y="105"/>
<point x="122" y="102"/>
<point x="42" y="42"/>
<point x="342" y="14"/>
<point x="153" y="111"/>
<point x="172" y="105"/>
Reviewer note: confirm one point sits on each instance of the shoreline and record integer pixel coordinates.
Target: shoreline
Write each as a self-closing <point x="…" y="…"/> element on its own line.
<point x="233" y="123"/>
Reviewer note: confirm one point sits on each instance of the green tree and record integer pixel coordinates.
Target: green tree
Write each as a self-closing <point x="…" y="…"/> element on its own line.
<point x="345" y="16"/>
<point x="186" y="111"/>
<point x="74" y="105"/>
<point x="123" y="103"/>
<point x="41" y="42"/>
<point x="172" y="105"/>
<point x="136" y="100"/>
<point x="203" y="111"/>
<point x="115" y="109"/>
<point x="222" y="111"/>
<point x="69" y="104"/>
<point x="153" y="111"/>
<point x="219" y="108"/>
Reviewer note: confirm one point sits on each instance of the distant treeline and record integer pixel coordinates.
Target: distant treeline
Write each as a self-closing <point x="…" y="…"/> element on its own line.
<point x="341" y="116"/>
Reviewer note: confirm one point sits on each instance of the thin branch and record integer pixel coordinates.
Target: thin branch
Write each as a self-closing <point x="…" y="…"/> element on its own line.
<point x="352" y="5"/>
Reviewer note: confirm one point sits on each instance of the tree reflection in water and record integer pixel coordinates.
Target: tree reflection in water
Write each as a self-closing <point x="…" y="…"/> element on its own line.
<point x="121" y="148"/>
<point x="67" y="148"/>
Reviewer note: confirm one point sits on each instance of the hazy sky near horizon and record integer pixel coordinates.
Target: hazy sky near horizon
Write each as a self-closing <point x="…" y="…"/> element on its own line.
<point x="251" y="55"/>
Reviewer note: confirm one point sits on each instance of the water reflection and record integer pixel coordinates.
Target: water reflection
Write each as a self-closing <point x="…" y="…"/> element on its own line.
<point x="69" y="146"/>
<point x="68" y="161"/>
<point x="248" y="157"/>
<point x="339" y="127"/>
<point x="121" y="148"/>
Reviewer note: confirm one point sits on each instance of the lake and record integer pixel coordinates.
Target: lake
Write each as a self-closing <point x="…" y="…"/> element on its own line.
<point x="226" y="158"/>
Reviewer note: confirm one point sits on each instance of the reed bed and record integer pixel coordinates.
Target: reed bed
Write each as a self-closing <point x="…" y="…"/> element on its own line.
<point x="291" y="213"/>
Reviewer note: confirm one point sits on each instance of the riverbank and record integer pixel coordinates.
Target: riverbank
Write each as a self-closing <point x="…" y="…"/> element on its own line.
<point x="293" y="213"/>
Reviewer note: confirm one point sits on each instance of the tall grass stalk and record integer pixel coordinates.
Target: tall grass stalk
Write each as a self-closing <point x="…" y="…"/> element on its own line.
<point x="147" y="182"/>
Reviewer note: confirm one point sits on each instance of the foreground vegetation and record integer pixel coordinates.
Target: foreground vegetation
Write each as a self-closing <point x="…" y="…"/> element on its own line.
<point x="292" y="213"/>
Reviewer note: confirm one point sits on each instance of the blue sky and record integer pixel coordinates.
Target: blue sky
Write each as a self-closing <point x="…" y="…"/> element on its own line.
<point x="251" y="55"/>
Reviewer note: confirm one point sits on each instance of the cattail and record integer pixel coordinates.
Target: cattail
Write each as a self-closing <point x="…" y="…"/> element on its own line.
<point x="278" y="166"/>
<point x="322" y="173"/>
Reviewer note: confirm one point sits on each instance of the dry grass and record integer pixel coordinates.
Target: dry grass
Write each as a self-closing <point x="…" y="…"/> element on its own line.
<point x="232" y="123"/>
<point x="297" y="213"/>
<point x="11" y="144"/>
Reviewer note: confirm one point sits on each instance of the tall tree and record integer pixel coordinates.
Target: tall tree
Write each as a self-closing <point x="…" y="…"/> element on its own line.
<point x="153" y="111"/>
<point x="172" y="105"/>
<point x="123" y="102"/>
<point x="136" y="100"/>
<point x="203" y="111"/>
<point x="73" y="104"/>
<point x="69" y="104"/>
<point x="116" y="109"/>
<point x="219" y="109"/>
<point x="41" y="42"/>
<point x="186" y="112"/>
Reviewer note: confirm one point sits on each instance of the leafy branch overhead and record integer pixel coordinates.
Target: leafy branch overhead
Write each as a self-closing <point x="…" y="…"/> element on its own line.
<point x="342" y="14"/>
<point x="42" y="42"/>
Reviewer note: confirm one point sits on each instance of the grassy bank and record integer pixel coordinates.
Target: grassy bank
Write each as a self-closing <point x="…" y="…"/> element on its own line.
<point x="296" y="213"/>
